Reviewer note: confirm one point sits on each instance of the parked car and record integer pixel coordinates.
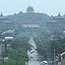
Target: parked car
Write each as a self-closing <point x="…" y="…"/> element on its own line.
<point x="31" y="57"/>
<point x="32" y="51"/>
<point x="44" y="63"/>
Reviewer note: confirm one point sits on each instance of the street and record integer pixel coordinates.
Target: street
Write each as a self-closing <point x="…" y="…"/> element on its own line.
<point x="33" y="55"/>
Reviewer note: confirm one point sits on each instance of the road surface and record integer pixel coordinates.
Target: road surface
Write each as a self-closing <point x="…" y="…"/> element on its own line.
<point x="33" y="55"/>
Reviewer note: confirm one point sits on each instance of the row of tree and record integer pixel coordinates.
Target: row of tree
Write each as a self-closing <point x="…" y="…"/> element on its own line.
<point x="18" y="54"/>
<point x="47" y="47"/>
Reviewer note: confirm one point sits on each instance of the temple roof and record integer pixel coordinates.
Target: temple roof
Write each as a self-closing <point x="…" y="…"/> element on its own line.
<point x="59" y="15"/>
<point x="30" y="9"/>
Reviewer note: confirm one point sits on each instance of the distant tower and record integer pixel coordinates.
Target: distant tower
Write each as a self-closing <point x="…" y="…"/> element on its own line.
<point x="59" y="18"/>
<point x="59" y="15"/>
<point x="1" y="14"/>
<point x="30" y="9"/>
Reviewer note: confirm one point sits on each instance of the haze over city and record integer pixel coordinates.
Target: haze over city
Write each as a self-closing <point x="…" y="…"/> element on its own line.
<point x="51" y="7"/>
<point x="32" y="32"/>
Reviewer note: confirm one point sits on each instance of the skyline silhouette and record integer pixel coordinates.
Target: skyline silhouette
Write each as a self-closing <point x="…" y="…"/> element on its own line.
<point x="51" y="7"/>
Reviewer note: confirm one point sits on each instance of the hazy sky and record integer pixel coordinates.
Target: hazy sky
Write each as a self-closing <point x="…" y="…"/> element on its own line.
<point x="51" y="7"/>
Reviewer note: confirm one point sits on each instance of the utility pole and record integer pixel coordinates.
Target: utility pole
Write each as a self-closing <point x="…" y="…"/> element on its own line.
<point x="5" y="54"/>
<point x="54" y="58"/>
<point x="0" y="51"/>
